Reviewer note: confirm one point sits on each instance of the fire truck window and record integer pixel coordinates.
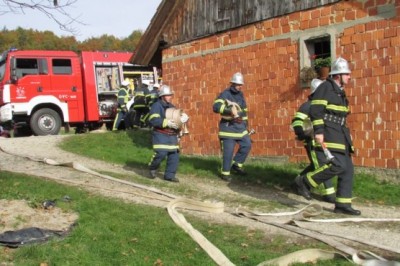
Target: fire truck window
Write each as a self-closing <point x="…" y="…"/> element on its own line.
<point x="27" y="66"/>
<point x="62" y="66"/>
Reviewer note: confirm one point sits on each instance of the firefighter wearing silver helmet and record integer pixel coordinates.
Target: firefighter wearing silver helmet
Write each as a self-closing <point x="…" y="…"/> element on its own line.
<point x="164" y="136"/>
<point x="302" y="127"/>
<point x="328" y="113"/>
<point x="232" y="107"/>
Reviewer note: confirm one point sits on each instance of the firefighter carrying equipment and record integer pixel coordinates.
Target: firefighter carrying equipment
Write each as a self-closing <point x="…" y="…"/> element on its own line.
<point x="165" y="140"/>
<point x="232" y="130"/>
<point x="330" y="102"/>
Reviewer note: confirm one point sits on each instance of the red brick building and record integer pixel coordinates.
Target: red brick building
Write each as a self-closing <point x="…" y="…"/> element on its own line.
<point x="200" y="44"/>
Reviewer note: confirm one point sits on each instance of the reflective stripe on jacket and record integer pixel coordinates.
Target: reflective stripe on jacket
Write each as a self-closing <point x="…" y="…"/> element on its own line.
<point x="331" y="99"/>
<point x="229" y="127"/>
<point x="157" y="119"/>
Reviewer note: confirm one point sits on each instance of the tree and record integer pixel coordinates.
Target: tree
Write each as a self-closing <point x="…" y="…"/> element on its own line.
<point x="53" y="9"/>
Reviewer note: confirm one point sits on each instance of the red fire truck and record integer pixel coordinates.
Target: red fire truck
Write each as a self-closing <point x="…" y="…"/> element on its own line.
<point x="45" y="90"/>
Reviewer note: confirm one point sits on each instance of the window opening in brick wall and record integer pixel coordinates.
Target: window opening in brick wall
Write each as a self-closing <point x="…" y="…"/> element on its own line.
<point x="313" y="47"/>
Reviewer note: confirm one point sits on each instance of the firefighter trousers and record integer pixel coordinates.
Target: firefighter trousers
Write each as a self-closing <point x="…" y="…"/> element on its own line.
<point x="118" y="119"/>
<point x="140" y="114"/>
<point x="172" y="162"/>
<point x="342" y="167"/>
<point x="327" y="185"/>
<point x="228" y="149"/>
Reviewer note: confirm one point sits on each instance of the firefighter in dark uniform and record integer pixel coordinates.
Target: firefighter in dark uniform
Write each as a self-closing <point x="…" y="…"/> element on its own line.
<point x="140" y="104"/>
<point x="328" y="112"/>
<point x="303" y="129"/>
<point x="231" y="105"/>
<point x="165" y="136"/>
<point x="151" y="98"/>
<point x="122" y="99"/>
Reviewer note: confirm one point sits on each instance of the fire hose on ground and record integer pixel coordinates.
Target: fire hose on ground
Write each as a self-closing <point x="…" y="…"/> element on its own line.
<point x="304" y="214"/>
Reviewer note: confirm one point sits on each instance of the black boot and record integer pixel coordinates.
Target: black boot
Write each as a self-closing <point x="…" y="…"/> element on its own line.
<point x="346" y="210"/>
<point x="302" y="187"/>
<point x="238" y="170"/>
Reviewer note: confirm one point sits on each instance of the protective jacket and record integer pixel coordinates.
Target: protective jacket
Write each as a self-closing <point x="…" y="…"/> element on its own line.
<point x="140" y="98"/>
<point x="299" y="119"/>
<point x="152" y="97"/>
<point x="230" y="127"/>
<point x="164" y="138"/>
<point x="123" y="98"/>
<point x="328" y="113"/>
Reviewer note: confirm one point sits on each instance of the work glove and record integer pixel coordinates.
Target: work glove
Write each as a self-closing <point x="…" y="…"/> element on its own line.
<point x="184" y="118"/>
<point x="172" y="124"/>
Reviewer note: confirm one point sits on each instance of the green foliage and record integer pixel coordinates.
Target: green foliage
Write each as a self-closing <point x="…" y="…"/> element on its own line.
<point x="322" y="62"/>
<point x="29" y="39"/>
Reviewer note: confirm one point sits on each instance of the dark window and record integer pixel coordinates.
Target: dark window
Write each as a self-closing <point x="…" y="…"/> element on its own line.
<point x="26" y="66"/>
<point x="62" y="66"/>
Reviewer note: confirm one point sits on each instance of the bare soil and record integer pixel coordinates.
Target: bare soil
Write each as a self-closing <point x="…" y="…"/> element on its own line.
<point x="25" y="155"/>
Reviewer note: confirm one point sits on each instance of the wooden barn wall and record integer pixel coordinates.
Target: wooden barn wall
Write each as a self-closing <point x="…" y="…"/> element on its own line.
<point x="197" y="19"/>
<point x="267" y="53"/>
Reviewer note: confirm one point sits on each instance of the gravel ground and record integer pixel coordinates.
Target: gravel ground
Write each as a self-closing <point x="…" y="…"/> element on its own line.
<point x="21" y="155"/>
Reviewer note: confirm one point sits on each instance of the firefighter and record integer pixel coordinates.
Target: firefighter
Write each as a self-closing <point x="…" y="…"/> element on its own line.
<point x="303" y="129"/>
<point x="151" y="98"/>
<point x="328" y="113"/>
<point x="122" y="98"/>
<point x="231" y="105"/>
<point x="165" y="136"/>
<point x="140" y="104"/>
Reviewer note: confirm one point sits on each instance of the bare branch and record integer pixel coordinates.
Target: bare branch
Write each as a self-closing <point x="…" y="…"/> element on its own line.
<point x="53" y="9"/>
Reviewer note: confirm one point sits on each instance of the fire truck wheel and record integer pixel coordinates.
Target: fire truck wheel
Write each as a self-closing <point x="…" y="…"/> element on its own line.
<point x="45" y="122"/>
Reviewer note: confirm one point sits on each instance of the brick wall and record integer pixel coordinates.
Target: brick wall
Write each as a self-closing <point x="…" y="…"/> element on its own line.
<point x="267" y="53"/>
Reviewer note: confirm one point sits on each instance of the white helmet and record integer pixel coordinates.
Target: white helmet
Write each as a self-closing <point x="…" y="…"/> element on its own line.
<point x="340" y="66"/>
<point x="165" y="90"/>
<point x="314" y="84"/>
<point x="146" y="82"/>
<point x="125" y="83"/>
<point x="156" y="85"/>
<point x="237" y="78"/>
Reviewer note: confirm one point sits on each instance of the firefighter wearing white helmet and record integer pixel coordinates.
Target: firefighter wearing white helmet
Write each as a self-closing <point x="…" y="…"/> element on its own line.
<point x="140" y="104"/>
<point x="328" y="113"/>
<point x="232" y="107"/>
<point x="164" y="136"/>
<point x="302" y="127"/>
<point x="122" y="99"/>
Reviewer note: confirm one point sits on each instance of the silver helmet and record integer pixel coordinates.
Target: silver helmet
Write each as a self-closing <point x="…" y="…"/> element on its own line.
<point x="340" y="66"/>
<point x="165" y="90"/>
<point x="237" y="78"/>
<point x="314" y="84"/>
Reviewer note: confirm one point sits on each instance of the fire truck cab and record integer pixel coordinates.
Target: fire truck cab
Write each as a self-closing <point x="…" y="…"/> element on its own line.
<point x="45" y="90"/>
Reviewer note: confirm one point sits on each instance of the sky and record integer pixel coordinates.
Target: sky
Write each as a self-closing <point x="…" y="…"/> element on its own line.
<point x="116" y="17"/>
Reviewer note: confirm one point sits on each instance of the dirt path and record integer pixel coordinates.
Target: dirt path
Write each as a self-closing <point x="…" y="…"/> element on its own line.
<point x="14" y="158"/>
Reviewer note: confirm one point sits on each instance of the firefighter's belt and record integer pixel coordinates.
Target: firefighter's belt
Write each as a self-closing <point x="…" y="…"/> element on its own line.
<point x="233" y="120"/>
<point x="335" y="119"/>
<point x="166" y="131"/>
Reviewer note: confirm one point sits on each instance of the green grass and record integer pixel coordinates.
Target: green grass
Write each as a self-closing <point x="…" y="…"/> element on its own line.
<point x="133" y="149"/>
<point x="111" y="232"/>
<point x="132" y="234"/>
